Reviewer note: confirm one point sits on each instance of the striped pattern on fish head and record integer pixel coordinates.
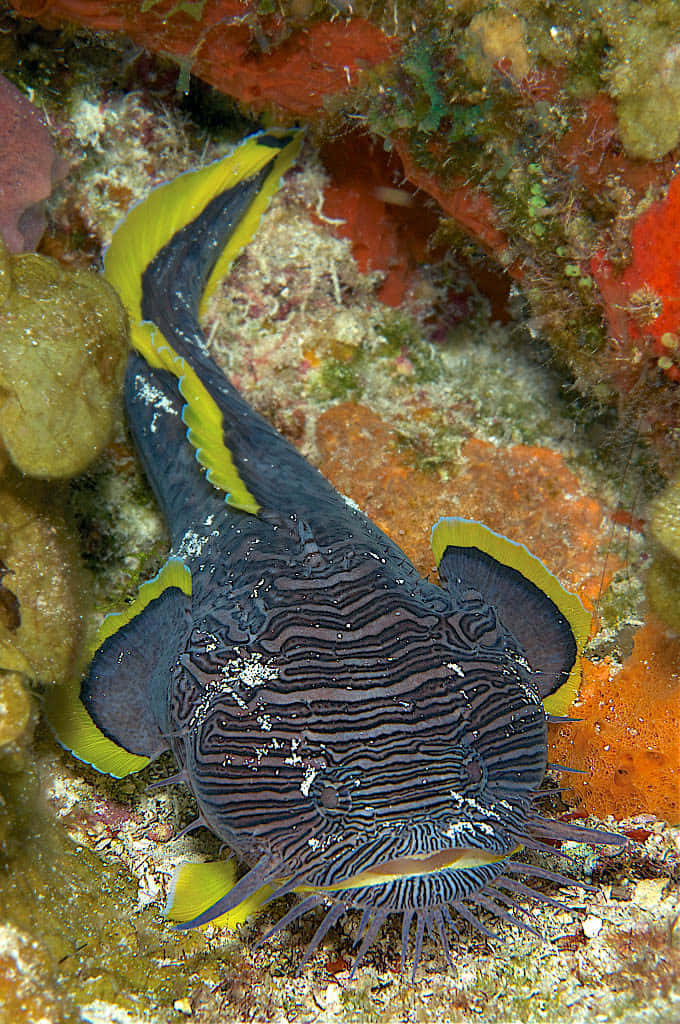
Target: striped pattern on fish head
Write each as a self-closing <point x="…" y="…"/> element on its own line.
<point x="377" y="739"/>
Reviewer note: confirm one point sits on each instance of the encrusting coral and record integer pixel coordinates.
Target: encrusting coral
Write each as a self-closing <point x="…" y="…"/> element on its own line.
<point x="626" y="742"/>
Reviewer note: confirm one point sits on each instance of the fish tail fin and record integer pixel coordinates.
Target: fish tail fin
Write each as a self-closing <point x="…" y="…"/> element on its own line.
<point x="167" y="257"/>
<point x="155" y="260"/>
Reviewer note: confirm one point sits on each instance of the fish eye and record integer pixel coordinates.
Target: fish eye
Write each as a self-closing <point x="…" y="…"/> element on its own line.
<point x="329" y="797"/>
<point x="332" y="798"/>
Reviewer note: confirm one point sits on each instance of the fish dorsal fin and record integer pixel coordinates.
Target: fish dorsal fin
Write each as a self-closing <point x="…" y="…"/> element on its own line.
<point x="549" y="622"/>
<point x="246" y="179"/>
<point x="203" y="419"/>
<point x="109" y="721"/>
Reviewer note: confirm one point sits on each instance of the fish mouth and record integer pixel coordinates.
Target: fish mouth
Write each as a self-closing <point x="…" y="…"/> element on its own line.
<point x="452" y="858"/>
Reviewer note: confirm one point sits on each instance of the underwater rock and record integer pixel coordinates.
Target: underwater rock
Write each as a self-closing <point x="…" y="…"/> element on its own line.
<point x="44" y="577"/>
<point x="29" y="169"/>
<point x="525" y="492"/>
<point x="663" y="581"/>
<point x="15" y="709"/>
<point x="246" y="50"/>
<point x="63" y="347"/>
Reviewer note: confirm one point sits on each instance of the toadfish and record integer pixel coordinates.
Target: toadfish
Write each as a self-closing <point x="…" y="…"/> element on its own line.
<point x="355" y="733"/>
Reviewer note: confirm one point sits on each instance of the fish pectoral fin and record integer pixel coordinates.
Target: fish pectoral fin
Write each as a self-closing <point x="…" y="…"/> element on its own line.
<point x="76" y="731"/>
<point x="112" y="723"/>
<point x="195" y="888"/>
<point x="548" y="621"/>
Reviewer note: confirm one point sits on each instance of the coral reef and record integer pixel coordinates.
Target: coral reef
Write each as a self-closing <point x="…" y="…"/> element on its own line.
<point x="484" y="161"/>
<point x="62" y="357"/>
<point x="30" y="169"/>
<point x="526" y="493"/>
<point x="536" y="130"/>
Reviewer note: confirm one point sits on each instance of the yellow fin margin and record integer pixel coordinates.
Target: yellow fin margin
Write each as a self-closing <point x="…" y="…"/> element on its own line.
<point x="197" y="887"/>
<point x="66" y="713"/>
<point x="203" y="419"/>
<point x="151" y="224"/>
<point x="466" y="533"/>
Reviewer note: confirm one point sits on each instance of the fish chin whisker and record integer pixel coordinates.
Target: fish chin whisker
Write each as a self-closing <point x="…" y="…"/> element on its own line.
<point x="548" y="828"/>
<point x="535" y="844"/>
<point x="363" y="924"/>
<point x="500" y="912"/>
<point x="438" y="902"/>
<point x="287" y="887"/>
<point x="331" y="918"/>
<point x="369" y="937"/>
<point x="443" y="937"/>
<point x="473" y="920"/>
<point x="407" y="918"/>
<point x="299" y="910"/>
<point x="526" y="892"/>
<point x="418" y="947"/>
<point x="178" y="778"/>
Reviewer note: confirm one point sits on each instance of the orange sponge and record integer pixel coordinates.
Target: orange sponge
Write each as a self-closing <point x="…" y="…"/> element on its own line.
<point x="628" y="740"/>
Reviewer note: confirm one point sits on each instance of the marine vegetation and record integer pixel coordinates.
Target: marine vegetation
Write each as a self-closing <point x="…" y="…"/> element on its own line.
<point x="354" y="732"/>
<point x="63" y="343"/>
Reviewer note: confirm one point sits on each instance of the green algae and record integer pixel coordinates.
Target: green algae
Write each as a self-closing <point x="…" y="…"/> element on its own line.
<point x="430" y="106"/>
<point x="83" y="914"/>
<point x="337" y="381"/>
<point x="63" y="350"/>
<point x="398" y="350"/>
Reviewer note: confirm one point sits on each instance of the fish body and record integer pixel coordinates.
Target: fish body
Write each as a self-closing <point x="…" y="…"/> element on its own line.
<point x="351" y="730"/>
